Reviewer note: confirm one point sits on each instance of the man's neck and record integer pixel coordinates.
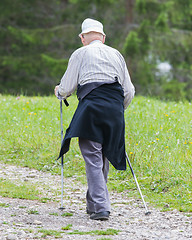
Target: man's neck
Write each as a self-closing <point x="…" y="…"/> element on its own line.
<point x="94" y="41"/>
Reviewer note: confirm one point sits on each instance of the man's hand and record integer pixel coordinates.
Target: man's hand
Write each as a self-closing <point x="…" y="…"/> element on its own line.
<point x="56" y="90"/>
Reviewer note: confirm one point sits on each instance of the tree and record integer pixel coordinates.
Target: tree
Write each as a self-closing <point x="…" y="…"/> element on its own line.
<point x="37" y="38"/>
<point x="158" y="38"/>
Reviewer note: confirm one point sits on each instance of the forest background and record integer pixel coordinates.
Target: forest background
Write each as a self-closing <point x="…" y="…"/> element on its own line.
<point x="155" y="36"/>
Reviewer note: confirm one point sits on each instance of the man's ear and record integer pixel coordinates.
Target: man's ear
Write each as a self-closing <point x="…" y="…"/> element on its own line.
<point x="103" y="41"/>
<point x="82" y="39"/>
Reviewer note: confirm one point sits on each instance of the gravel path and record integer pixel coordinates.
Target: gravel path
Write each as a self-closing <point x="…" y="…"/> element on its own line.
<point x="25" y="219"/>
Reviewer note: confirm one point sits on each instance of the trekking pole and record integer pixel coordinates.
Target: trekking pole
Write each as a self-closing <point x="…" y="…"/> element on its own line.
<point x="61" y="118"/>
<point x="147" y="212"/>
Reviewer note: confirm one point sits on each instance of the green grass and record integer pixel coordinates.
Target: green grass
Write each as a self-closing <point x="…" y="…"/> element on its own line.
<point x="22" y="191"/>
<point x="57" y="234"/>
<point x="32" y="211"/>
<point x="158" y="142"/>
<point x="67" y="214"/>
<point x="4" y="205"/>
<point x="54" y="214"/>
<point x="68" y="227"/>
<point x="28" y="230"/>
<point x="45" y="233"/>
<point x="30" y="132"/>
<point x="109" y="231"/>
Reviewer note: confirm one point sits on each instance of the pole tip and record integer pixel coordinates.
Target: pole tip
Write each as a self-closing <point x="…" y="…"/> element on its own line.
<point x="147" y="213"/>
<point x="61" y="208"/>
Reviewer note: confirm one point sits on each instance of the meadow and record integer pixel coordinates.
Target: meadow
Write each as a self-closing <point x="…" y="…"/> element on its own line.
<point x="158" y="142"/>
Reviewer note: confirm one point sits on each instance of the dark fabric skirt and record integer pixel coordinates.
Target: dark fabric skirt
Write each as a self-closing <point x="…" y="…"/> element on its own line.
<point x="99" y="117"/>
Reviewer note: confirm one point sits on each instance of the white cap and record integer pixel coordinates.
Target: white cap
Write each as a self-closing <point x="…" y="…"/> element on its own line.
<point x="91" y="25"/>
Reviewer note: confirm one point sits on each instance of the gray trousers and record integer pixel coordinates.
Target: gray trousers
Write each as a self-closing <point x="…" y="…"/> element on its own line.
<point x="97" y="168"/>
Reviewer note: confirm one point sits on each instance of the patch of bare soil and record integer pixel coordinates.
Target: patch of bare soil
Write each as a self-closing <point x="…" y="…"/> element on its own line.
<point x="24" y="219"/>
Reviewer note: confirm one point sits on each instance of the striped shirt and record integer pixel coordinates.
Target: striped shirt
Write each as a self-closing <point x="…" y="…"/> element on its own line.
<point x="96" y="62"/>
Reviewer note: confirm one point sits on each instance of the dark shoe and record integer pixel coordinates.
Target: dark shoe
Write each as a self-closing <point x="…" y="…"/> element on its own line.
<point x="100" y="216"/>
<point x="89" y="212"/>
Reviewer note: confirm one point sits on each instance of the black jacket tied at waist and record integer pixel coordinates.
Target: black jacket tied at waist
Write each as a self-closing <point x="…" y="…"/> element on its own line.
<point x="99" y="117"/>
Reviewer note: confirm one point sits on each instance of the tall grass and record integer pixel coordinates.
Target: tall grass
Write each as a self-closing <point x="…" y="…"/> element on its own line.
<point x="158" y="142"/>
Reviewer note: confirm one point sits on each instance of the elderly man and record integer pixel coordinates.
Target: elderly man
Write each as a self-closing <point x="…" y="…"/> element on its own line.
<point x="104" y="90"/>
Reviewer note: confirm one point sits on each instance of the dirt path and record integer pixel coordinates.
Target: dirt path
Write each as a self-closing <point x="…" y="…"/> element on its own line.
<point x="25" y="219"/>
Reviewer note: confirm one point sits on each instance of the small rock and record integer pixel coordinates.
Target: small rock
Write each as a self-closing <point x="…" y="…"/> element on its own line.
<point x="36" y="222"/>
<point x="166" y="205"/>
<point x="11" y="237"/>
<point x="21" y="233"/>
<point x="31" y="176"/>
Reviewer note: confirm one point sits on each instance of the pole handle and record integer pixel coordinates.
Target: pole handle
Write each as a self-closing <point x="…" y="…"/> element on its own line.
<point x="66" y="103"/>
